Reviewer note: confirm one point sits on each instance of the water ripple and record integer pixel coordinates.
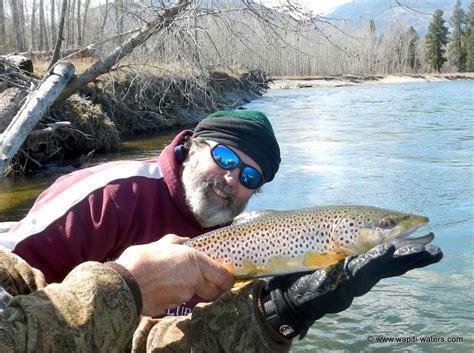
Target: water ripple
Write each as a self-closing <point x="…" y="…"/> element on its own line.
<point x="407" y="147"/>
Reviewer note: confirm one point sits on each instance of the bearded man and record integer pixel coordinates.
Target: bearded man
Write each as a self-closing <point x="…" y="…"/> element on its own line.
<point x="199" y="182"/>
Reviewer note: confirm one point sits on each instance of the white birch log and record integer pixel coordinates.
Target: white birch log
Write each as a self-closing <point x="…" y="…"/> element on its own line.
<point x="31" y="112"/>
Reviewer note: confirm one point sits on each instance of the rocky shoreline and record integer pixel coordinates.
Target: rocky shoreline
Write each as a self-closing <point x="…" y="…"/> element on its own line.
<point x="351" y="80"/>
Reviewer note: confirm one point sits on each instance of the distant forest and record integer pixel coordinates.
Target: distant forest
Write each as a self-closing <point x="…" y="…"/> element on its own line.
<point x="284" y="41"/>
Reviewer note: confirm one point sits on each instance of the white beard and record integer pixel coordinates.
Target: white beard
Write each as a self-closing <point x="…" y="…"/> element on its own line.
<point x="209" y="209"/>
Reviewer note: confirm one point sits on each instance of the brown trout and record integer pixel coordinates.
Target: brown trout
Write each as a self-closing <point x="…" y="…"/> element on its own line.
<point x="269" y="243"/>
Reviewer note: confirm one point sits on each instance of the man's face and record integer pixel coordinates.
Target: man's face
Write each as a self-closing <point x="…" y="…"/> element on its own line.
<point x="214" y="195"/>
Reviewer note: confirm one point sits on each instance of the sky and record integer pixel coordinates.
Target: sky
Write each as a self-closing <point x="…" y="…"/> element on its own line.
<point x="318" y="6"/>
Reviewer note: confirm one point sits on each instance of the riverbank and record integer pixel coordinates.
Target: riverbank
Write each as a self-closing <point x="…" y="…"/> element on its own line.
<point x="351" y="80"/>
<point x="120" y="105"/>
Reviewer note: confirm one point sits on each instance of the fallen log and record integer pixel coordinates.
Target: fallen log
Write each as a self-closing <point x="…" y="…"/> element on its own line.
<point x="32" y="111"/>
<point x="20" y="61"/>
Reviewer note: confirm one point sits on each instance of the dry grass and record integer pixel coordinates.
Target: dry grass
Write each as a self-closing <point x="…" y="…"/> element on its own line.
<point x="41" y="66"/>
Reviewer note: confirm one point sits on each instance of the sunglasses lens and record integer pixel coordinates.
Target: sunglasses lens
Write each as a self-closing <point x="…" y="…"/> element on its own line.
<point x="225" y="157"/>
<point x="228" y="159"/>
<point x="250" y="178"/>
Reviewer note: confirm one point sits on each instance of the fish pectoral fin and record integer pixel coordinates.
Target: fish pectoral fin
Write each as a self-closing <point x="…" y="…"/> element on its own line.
<point x="317" y="260"/>
<point x="247" y="270"/>
<point x="241" y="282"/>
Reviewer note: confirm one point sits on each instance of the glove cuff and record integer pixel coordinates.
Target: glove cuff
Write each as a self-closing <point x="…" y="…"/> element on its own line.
<point x="280" y="312"/>
<point x="270" y="312"/>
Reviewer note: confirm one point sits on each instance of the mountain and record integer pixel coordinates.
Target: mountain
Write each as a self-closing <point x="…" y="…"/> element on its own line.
<point x="392" y="14"/>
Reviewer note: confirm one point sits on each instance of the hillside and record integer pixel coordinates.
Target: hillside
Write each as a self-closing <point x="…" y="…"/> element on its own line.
<point x="389" y="13"/>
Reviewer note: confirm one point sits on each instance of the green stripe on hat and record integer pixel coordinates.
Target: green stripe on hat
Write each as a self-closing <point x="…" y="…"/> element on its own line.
<point x="251" y="115"/>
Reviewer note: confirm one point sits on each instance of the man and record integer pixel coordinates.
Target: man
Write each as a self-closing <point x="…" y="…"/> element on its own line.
<point x="96" y="213"/>
<point x="196" y="184"/>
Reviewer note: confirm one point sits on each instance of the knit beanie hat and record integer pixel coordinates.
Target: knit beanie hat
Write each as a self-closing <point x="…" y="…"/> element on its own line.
<point x="248" y="130"/>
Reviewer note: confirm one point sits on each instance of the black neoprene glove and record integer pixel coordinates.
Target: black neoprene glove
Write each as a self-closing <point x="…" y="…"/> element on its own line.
<point x="292" y="303"/>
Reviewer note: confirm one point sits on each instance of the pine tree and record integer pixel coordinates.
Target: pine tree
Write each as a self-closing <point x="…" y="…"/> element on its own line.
<point x="457" y="45"/>
<point x="412" y="55"/>
<point x="469" y="37"/>
<point x="436" y="40"/>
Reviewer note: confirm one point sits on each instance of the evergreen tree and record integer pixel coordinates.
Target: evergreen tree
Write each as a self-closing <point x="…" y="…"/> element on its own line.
<point x="413" y="38"/>
<point x="436" y="40"/>
<point x="457" y="45"/>
<point x="372" y="28"/>
<point x="470" y="38"/>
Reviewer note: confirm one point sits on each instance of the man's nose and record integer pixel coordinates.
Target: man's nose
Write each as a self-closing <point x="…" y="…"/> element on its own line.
<point x="232" y="177"/>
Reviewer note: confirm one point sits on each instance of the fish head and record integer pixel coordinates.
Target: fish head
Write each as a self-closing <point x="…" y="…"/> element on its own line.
<point x="364" y="227"/>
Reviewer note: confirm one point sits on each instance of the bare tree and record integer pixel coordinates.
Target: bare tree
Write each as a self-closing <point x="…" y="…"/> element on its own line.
<point x="22" y="23"/>
<point x="84" y="18"/>
<point x="101" y="30"/>
<point x="2" y="25"/>
<point x="43" y="38"/>
<point x="53" y="22"/>
<point x="162" y="22"/>
<point x="19" y="44"/>
<point x="59" y="36"/>
<point x="33" y="27"/>
<point x="78" y="22"/>
<point x="119" y="16"/>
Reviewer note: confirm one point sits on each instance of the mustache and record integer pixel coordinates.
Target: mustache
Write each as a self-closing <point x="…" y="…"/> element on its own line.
<point x="221" y="185"/>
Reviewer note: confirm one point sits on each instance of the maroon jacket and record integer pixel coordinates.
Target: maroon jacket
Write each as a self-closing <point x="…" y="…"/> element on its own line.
<point x="96" y="213"/>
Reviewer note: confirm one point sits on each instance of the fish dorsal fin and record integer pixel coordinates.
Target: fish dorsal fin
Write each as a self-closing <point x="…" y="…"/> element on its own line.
<point x="317" y="260"/>
<point x="252" y="216"/>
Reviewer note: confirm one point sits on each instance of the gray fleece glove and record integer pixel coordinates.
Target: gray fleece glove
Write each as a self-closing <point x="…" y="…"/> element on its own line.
<point x="292" y="303"/>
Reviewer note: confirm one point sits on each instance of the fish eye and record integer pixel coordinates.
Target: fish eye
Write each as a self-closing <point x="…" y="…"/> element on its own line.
<point x="387" y="223"/>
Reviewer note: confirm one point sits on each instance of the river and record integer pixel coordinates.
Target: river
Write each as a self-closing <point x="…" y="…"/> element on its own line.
<point x="407" y="147"/>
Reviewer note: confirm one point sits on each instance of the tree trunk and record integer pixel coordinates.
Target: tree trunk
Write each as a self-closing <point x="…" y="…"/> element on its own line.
<point x="70" y="24"/>
<point x="2" y="25"/>
<point x="43" y="40"/>
<point x="19" y="44"/>
<point x="119" y="15"/>
<point x="31" y="112"/>
<point x="59" y="40"/>
<point x="84" y="19"/>
<point x="104" y="21"/>
<point x="78" y="23"/>
<point x="33" y="32"/>
<point x="53" y="23"/>
<point x="21" y="24"/>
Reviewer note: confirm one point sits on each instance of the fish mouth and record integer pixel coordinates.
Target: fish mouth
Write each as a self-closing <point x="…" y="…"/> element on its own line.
<point x="412" y="224"/>
<point x="405" y="238"/>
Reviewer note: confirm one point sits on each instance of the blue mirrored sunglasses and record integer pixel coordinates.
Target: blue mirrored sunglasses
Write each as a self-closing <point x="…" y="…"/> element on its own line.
<point x="227" y="159"/>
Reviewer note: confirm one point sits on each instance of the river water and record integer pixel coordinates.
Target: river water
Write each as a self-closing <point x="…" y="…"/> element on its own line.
<point x="407" y="147"/>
